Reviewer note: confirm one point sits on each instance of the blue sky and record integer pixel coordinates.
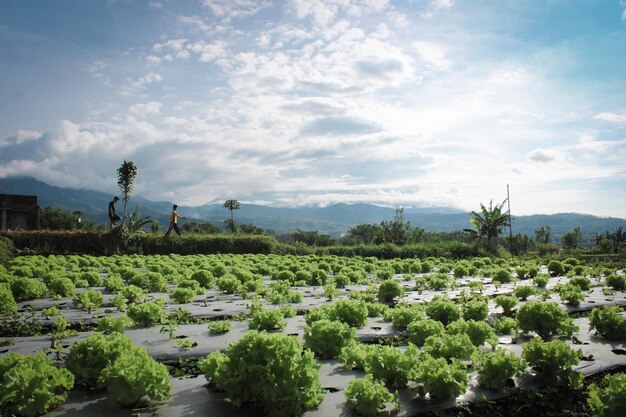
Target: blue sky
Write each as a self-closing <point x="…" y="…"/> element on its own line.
<point x="312" y="102"/>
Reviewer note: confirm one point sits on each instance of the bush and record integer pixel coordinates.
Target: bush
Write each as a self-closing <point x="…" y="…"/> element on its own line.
<point x="204" y="277"/>
<point x="390" y="364"/>
<point x="229" y="284"/>
<point x="420" y="330"/>
<point x="541" y="280"/>
<point x="544" y="318"/>
<point x="93" y="278"/>
<point x="555" y="268"/>
<point x="389" y="290"/>
<point x="443" y="310"/>
<point x="6" y="250"/>
<point x="183" y="295"/>
<point x="86" y="359"/>
<point x="554" y="359"/>
<point x="496" y="368"/>
<point x="570" y="294"/>
<point x="7" y="302"/>
<point x="326" y="338"/>
<point x="369" y="397"/>
<point x="135" y="374"/>
<point x="502" y="276"/>
<point x="146" y="314"/>
<point x="25" y="289"/>
<point x="31" y="385"/>
<point x="507" y="302"/>
<point x="270" y="371"/>
<point x="608" y="322"/>
<point x="609" y="398"/>
<point x="617" y="282"/>
<point x="114" y="282"/>
<point x="132" y="293"/>
<point x="440" y="379"/>
<point x="583" y="283"/>
<point x="112" y="324"/>
<point x="219" y="327"/>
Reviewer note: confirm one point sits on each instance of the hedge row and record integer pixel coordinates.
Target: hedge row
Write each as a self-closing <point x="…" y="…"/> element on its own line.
<point x="6" y="250"/>
<point x="201" y="244"/>
<point x="46" y="242"/>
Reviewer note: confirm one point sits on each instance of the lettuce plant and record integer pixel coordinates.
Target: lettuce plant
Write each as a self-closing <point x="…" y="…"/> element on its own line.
<point x="219" y="327"/>
<point x="475" y="310"/>
<point x="7" y="302"/>
<point x="30" y="385"/>
<point x="507" y="302"/>
<point x="267" y="319"/>
<point x="183" y="295"/>
<point x="544" y="318"/>
<point x="88" y="300"/>
<point x="554" y="359"/>
<point x="420" y="330"/>
<point x="326" y="338"/>
<point x="448" y="346"/>
<point x="147" y="313"/>
<point x="24" y="289"/>
<point x="496" y="368"/>
<point x="404" y="314"/>
<point x="608" y="399"/>
<point x="270" y="371"/>
<point x="608" y="322"/>
<point x="439" y="378"/>
<point x="369" y="397"/>
<point x="390" y="290"/>
<point x="443" y="310"/>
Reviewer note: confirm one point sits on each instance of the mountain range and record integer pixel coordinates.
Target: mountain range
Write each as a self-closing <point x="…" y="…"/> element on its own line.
<point x="335" y="219"/>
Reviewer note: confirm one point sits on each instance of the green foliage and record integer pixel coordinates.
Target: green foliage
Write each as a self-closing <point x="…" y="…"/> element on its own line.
<point x="219" y="327"/>
<point x="326" y="338"/>
<point x="583" y="283"/>
<point x="135" y="374"/>
<point x="114" y="324"/>
<point x="389" y="290"/>
<point x="617" y="282"/>
<point x="267" y="319"/>
<point x="544" y="318"/>
<point x="126" y="174"/>
<point x="608" y="399"/>
<point x="507" y="302"/>
<point x="86" y="359"/>
<point x="448" y="346"/>
<point x="608" y="322"/>
<point x="146" y="314"/>
<point x="496" y="368"/>
<point x="443" y="310"/>
<point x="479" y="332"/>
<point x="439" y="378"/>
<point x="88" y="300"/>
<point x="114" y="282"/>
<point x="369" y="397"/>
<point x="505" y="325"/>
<point x="489" y="222"/>
<point x="523" y="292"/>
<point x="228" y="284"/>
<point x="183" y="295"/>
<point x="475" y="310"/>
<point x="502" y="276"/>
<point x="404" y="314"/>
<point x="330" y="291"/>
<point x="204" y="277"/>
<point x="270" y="371"/>
<point x="6" y="250"/>
<point x="351" y="312"/>
<point x="7" y="302"/>
<point x="390" y="365"/>
<point x="554" y="359"/>
<point x="571" y="240"/>
<point x="62" y="287"/>
<point x="555" y="268"/>
<point x="31" y="385"/>
<point x="132" y="293"/>
<point x="24" y="289"/>
<point x="438" y="281"/>
<point x="541" y="280"/>
<point x="570" y="294"/>
<point x="93" y="278"/>
<point x="420" y="330"/>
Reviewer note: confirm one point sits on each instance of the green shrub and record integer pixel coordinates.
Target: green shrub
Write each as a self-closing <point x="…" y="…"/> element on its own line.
<point x="608" y="399"/>
<point x="502" y="276"/>
<point x="438" y="281"/>
<point x="88" y="300"/>
<point x="617" y="282"/>
<point x="31" y="385"/>
<point x="6" y="250"/>
<point x="496" y="368"/>
<point x="544" y="318"/>
<point x="443" y="310"/>
<point x="369" y="397"/>
<point x="135" y="374"/>
<point x="608" y="322"/>
<point x="219" y="327"/>
<point x="156" y="282"/>
<point x="351" y="312"/>
<point x="326" y="338"/>
<point x="269" y="371"/>
<point x="554" y="359"/>
<point x="475" y="310"/>
<point x="541" y="280"/>
<point x="420" y="330"/>
<point x="86" y="359"/>
<point x="62" y="287"/>
<point x="268" y="320"/>
<point x="204" y="277"/>
<point x="25" y="289"/>
<point x="146" y="314"/>
<point x="439" y="378"/>
<point x="389" y="290"/>
<point x="132" y="293"/>
<point x="7" y="302"/>
<point x="507" y="302"/>
<point x="93" y="278"/>
<point x="229" y="284"/>
<point x="583" y="283"/>
<point x="555" y="268"/>
<point x="183" y="295"/>
<point x="390" y="365"/>
<point x="505" y="325"/>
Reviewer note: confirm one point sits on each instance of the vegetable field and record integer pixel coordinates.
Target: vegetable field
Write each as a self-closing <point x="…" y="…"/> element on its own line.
<point x="222" y="335"/>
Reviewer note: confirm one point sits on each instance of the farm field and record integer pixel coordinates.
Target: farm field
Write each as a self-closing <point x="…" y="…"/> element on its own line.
<point x="296" y="335"/>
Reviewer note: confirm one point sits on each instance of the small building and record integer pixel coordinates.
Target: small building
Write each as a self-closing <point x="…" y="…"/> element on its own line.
<point x="19" y="212"/>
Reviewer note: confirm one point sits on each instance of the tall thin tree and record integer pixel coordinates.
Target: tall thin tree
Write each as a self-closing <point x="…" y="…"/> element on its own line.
<point x="126" y="174"/>
<point x="232" y="205"/>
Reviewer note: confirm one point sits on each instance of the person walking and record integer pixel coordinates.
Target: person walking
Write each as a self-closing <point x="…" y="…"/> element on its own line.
<point x="174" y="221"/>
<point x="113" y="216"/>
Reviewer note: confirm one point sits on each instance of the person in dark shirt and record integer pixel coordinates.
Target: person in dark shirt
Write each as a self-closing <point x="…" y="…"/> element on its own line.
<point x="113" y="216"/>
<point x="174" y="221"/>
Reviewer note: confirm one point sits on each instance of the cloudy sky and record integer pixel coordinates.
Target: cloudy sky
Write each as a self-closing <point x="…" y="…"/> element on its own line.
<point x="312" y="102"/>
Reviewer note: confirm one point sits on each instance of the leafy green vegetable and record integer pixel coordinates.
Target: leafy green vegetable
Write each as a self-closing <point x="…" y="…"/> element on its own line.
<point x="545" y="318"/>
<point x="495" y="368"/>
<point x="369" y="397"/>
<point x="609" y="398"/>
<point x="326" y="337"/>
<point x="219" y="327"/>
<point x="440" y="379"/>
<point x="608" y="322"/>
<point x="554" y="359"/>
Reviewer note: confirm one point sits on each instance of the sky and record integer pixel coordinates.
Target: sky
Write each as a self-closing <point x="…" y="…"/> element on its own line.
<point x="413" y="103"/>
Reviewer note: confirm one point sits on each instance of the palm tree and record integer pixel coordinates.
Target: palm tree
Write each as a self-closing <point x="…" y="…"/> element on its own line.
<point x="489" y="222"/>
<point x="231" y="205"/>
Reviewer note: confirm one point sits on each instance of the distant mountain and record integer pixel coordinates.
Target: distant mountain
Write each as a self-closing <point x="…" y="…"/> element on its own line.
<point x="335" y="219"/>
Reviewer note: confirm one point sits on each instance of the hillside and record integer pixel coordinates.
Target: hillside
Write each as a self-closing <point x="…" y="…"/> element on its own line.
<point x="335" y="219"/>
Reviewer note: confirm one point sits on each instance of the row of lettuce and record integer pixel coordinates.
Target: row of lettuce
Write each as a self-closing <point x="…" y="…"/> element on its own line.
<point x="443" y="335"/>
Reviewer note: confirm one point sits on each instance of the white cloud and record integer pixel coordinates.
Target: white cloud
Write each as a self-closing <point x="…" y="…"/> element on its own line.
<point x="442" y="4"/>
<point x="145" y="109"/>
<point x="612" y="118"/>
<point x="541" y="155"/>
<point x="141" y="84"/>
<point x="433" y="54"/>
<point x="236" y="8"/>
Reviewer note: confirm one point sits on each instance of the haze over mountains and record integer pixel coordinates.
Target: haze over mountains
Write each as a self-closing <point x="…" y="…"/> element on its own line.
<point x="335" y="219"/>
